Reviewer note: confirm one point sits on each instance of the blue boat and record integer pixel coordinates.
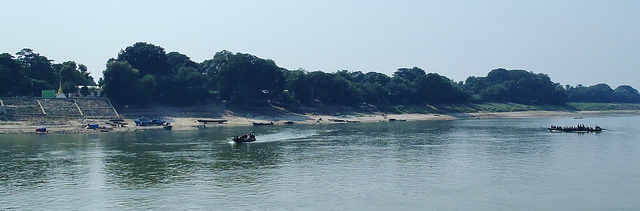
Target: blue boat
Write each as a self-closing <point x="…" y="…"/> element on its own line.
<point x="41" y="130"/>
<point x="91" y="126"/>
<point x="149" y="122"/>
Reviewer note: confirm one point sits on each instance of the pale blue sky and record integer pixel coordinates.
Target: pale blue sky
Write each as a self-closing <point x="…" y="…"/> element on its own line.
<point x="574" y="42"/>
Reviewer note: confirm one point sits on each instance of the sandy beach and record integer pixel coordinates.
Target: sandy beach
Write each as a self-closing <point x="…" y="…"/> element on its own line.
<point x="190" y="123"/>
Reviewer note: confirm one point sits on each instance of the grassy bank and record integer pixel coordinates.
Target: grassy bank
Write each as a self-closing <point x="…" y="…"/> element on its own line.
<point x="604" y="106"/>
<point x="482" y="107"/>
<point x="515" y="107"/>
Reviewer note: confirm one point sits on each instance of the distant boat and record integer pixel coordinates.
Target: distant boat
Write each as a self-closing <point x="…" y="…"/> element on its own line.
<point x="288" y="123"/>
<point x="397" y="120"/>
<point x="219" y="121"/>
<point x="579" y="128"/>
<point x="41" y="130"/>
<point x="245" y="138"/>
<point x="262" y="123"/>
<point x="167" y="127"/>
<point x="337" y="120"/>
<point x="147" y="122"/>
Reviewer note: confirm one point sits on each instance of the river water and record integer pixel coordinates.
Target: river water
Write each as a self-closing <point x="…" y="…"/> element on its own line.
<point x="496" y="164"/>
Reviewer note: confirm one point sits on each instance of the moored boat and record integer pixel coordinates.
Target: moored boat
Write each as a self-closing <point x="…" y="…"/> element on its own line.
<point x="262" y="123"/>
<point x="148" y="122"/>
<point x="41" y="130"/>
<point x="219" y="121"/>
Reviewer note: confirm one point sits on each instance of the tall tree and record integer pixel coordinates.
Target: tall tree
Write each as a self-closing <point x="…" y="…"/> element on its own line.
<point x="73" y="75"/>
<point x="245" y="77"/>
<point x="297" y="89"/>
<point x="374" y="88"/>
<point x="185" y="87"/>
<point x="626" y="94"/>
<point x="599" y="93"/>
<point x="13" y="81"/>
<point x="177" y="60"/>
<point x="517" y="86"/>
<point x="120" y="83"/>
<point x="147" y="58"/>
<point x="39" y="69"/>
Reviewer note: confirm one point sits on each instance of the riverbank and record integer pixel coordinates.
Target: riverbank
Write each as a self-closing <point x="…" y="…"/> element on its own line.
<point x="182" y="122"/>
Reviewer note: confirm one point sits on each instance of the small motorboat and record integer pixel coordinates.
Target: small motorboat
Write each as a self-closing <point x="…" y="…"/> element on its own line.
<point x="245" y="138"/>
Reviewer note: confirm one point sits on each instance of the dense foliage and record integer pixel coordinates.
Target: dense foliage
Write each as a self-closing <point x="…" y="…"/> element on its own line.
<point x="516" y="86"/>
<point x="602" y="93"/>
<point x="144" y="73"/>
<point x="29" y="73"/>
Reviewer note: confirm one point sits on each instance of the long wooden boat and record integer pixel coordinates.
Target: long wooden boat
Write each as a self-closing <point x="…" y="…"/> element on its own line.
<point x="219" y="121"/>
<point x="262" y="123"/>
<point x="579" y="128"/>
<point x="397" y="120"/>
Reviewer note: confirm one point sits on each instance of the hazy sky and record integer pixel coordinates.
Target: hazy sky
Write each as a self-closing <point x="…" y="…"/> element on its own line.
<point x="574" y="42"/>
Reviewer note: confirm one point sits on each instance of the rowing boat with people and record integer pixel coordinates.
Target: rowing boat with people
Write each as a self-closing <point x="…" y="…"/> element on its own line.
<point x="579" y="128"/>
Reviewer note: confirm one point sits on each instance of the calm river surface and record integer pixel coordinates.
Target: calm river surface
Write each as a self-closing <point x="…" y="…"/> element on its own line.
<point x="498" y="164"/>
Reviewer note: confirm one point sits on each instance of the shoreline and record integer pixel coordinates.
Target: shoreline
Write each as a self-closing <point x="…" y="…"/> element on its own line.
<point x="67" y="126"/>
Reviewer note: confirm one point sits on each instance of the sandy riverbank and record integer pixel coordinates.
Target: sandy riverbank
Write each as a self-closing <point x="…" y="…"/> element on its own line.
<point x="189" y="123"/>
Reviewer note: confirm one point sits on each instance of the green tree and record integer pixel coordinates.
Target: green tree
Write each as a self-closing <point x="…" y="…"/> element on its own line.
<point x="121" y="83"/>
<point x="518" y="86"/>
<point x="599" y="93"/>
<point x="84" y="91"/>
<point x="245" y="77"/>
<point x="177" y="60"/>
<point x="147" y="58"/>
<point x="626" y="94"/>
<point x="440" y="89"/>
<point x="297" y="91"/>
<point x="39" y="70"/>
<point x="374" y="88"/>
<point x="145" y="90"/>
<point x="73" y="75"/>
<point x="13" y="81"/>
<point x="186" y="86"/>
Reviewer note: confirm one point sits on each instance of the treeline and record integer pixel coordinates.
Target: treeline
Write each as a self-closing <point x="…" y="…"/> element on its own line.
<point x="144" y="73"/>
<point x="28" y="73"/>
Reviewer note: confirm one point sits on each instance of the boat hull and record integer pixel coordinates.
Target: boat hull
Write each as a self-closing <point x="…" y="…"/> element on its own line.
<point x="575" y="130"/>
<point x="241" y="140"/>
